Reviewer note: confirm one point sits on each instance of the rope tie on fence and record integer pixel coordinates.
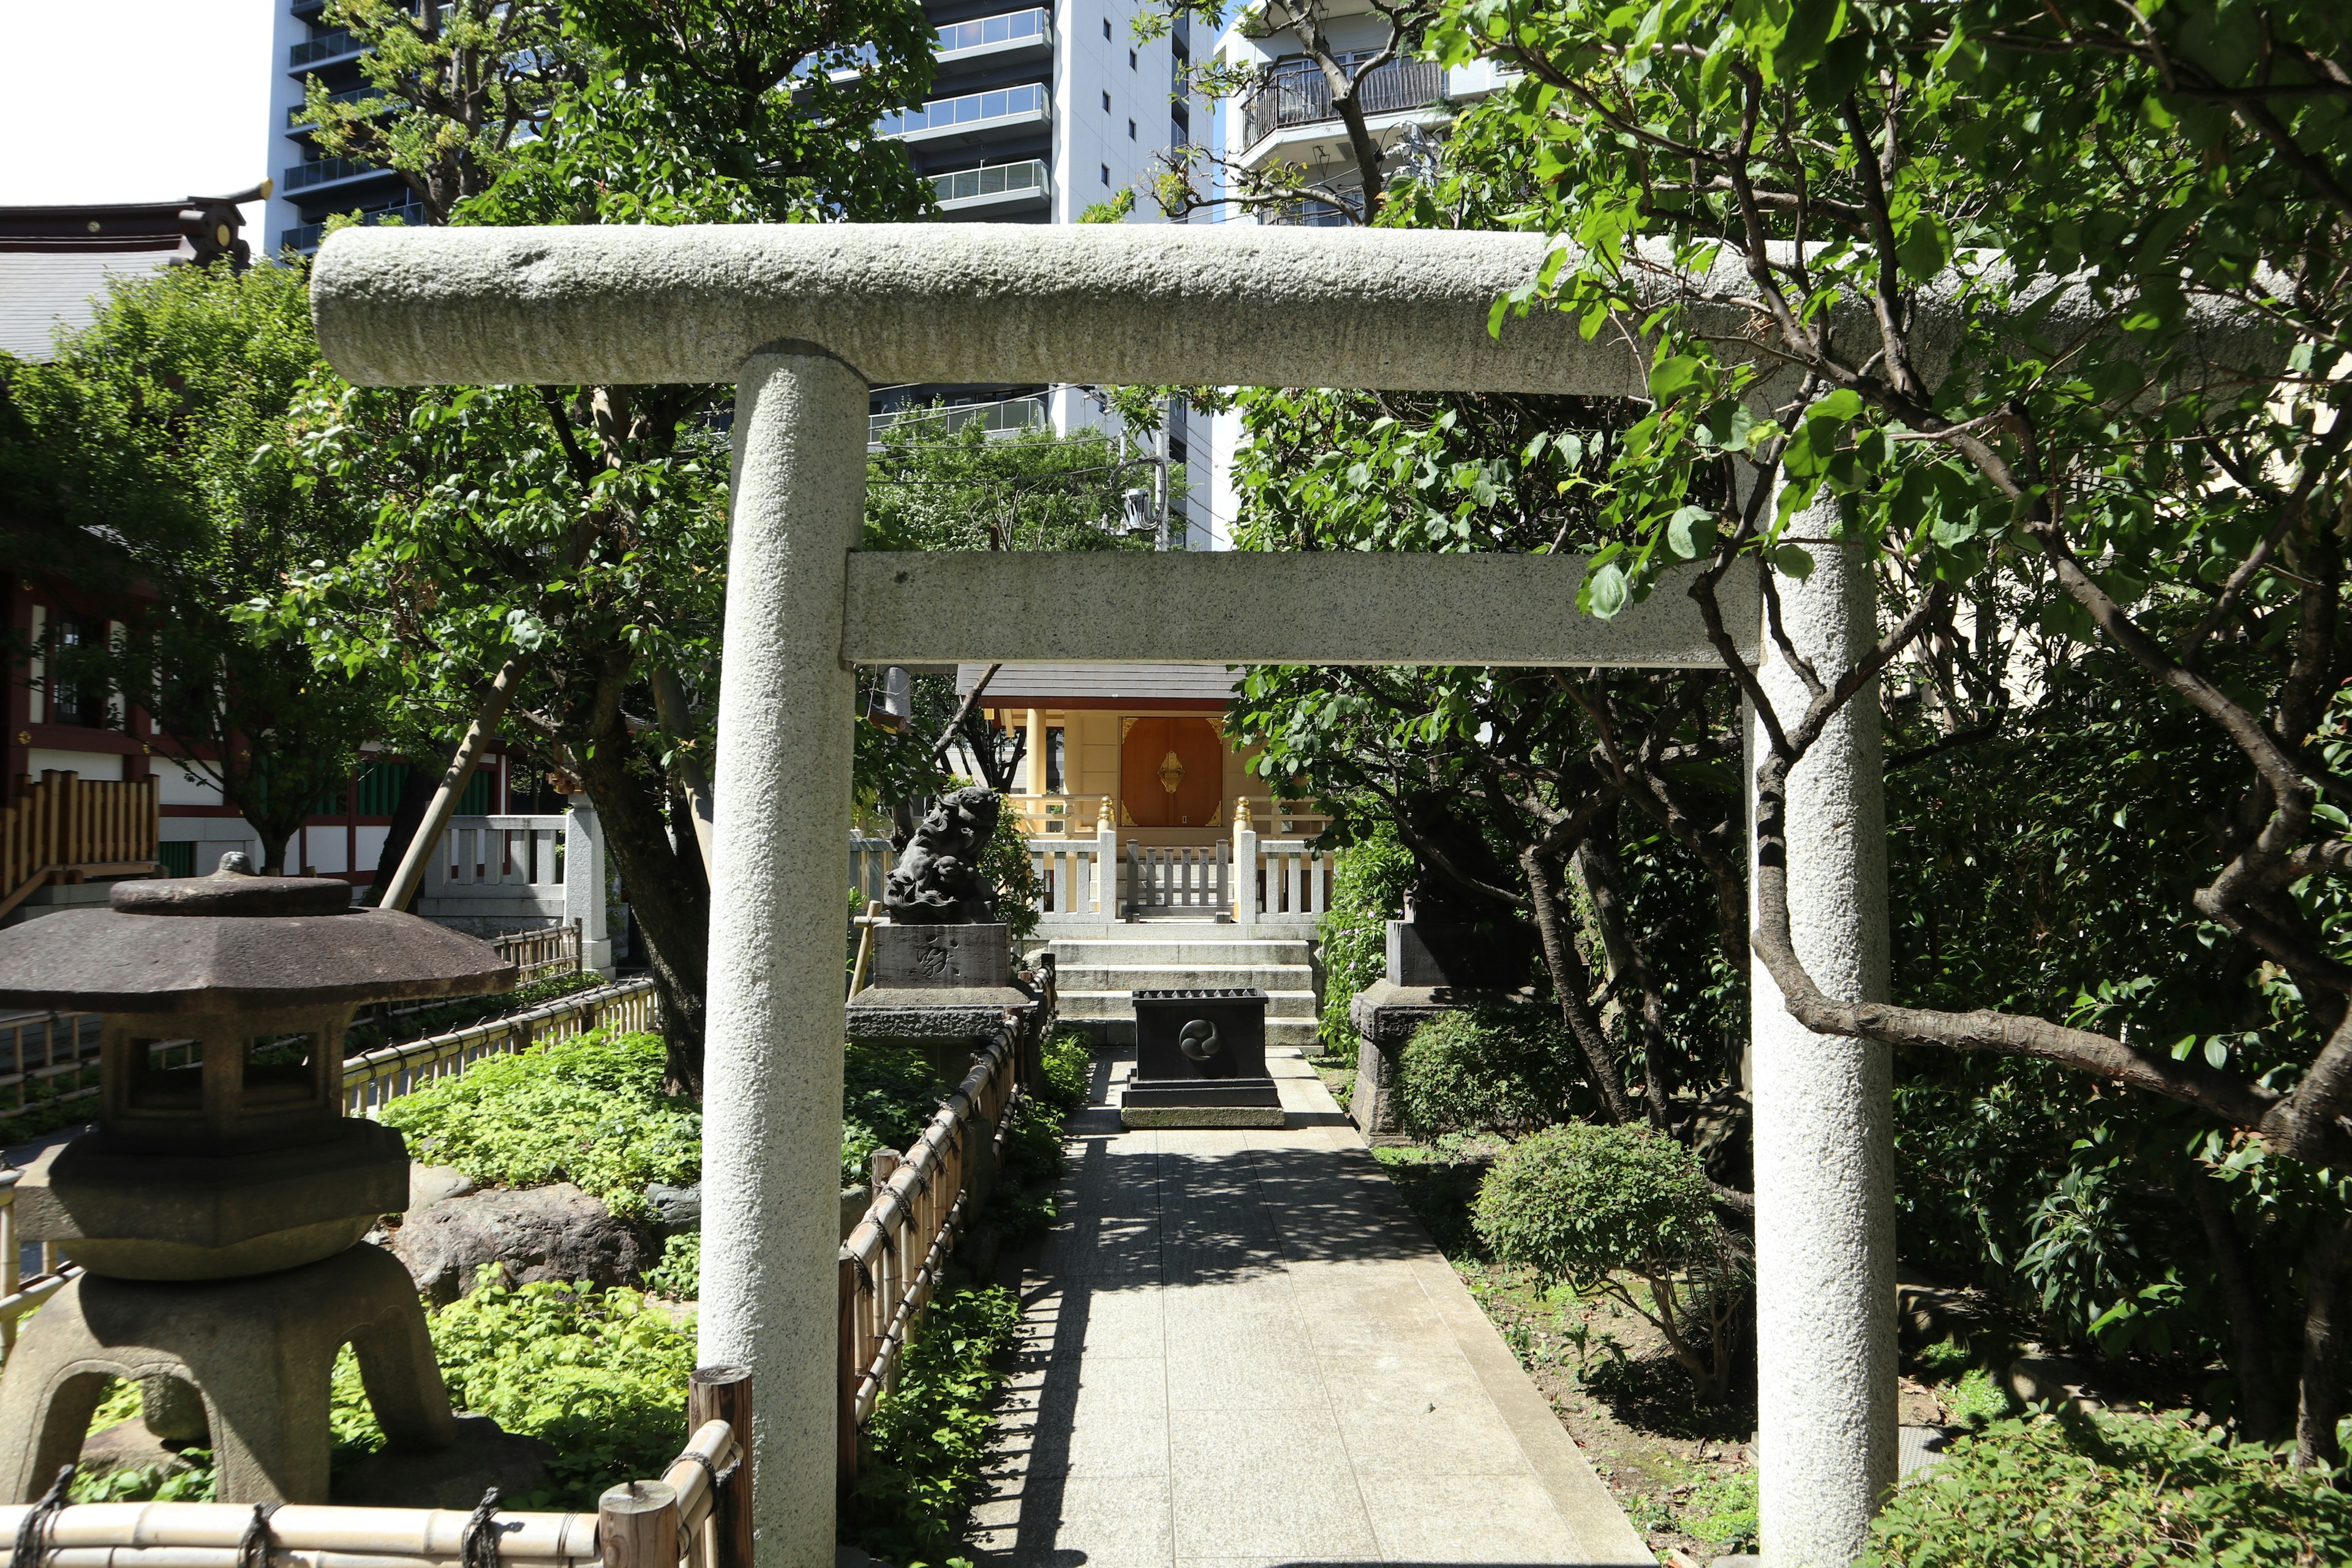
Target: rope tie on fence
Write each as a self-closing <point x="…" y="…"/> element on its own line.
<point x="480" y="1545"/>
<point x="254" y="1550"/>
<point x="709" y="1471"/>
<point x="40" y="1520"/>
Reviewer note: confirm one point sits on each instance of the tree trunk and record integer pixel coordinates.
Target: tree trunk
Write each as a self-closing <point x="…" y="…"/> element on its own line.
<point x="1596" y="867"/>
<point x="2321" y="1393"/>
<point x="668" y="897"/>
<point x="1573" y="985"/>
<point x="416" y="796"/>
<point x="274" y="840"/>
<point x="2259" y="1416"/>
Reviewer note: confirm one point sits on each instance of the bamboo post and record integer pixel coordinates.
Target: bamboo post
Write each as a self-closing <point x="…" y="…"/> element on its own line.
<point x="636" y="1526"/>
<point x="846" y="1375"/>
<point x="724" y="1393"/>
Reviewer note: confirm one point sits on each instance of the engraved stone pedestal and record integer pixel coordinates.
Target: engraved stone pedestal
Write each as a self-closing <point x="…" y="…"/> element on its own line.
<point x="938" y="989"/>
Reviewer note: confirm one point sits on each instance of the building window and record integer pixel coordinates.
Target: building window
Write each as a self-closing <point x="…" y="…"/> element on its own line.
<point x="74" y="697"/>
<point x="1106" y="169"/>
<point x="1130" y="129"/>
<point x="1106" y="103"/>
<point x="1130" y="59"/>
<point x="1055" y="781"/>
<point x="1106" y="28"/>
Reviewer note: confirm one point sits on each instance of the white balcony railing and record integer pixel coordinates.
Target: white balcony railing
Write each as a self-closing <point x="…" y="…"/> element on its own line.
<point x="989" y="32"/>
<point x="998" y="183"/>
<point x="944" y="419"/>
<point x="971" y="111"/>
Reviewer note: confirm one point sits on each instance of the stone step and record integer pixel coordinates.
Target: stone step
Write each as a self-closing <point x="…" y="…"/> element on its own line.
<point x="1069" y="950"/>
<point x="1191" y="977"/>
<point x="1116" y="1004"/>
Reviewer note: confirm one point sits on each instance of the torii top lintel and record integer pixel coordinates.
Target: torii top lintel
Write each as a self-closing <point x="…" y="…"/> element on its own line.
<point x="1102" y="304"/>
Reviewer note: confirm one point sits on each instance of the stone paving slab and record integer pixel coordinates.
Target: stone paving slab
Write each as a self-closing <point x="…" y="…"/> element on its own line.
<point x="1239" y="1350"/>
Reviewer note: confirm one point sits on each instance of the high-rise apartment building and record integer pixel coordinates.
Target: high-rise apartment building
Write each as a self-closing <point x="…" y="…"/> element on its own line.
<point x="310" y="187"/>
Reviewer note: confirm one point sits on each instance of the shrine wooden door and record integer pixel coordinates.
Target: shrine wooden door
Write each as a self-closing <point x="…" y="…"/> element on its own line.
<point x="1172" y="772"/>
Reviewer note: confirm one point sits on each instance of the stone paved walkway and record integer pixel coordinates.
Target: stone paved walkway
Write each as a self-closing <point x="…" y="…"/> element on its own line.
<point x="1240" y="1350"/>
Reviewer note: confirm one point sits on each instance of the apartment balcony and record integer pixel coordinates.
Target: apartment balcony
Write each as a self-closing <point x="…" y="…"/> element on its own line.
<point x="1293" y="103"/>
<point x="1003" y="419"/>
<point x="1002" y="188"/>
<point x="974" y="116"/>
<point x="326" y="171"/>
<point x="996" y="40"/>
<point x="326" y="47"/>
<point x="305" y="237"/>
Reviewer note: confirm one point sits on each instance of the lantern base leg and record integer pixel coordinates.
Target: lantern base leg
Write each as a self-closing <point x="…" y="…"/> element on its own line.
<point x="260" y="1351"/>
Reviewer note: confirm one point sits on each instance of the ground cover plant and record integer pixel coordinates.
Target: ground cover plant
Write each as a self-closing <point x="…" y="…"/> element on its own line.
<point x="2113" y="1490"/>
<point x="589" y="1110"/>
<point x="929" y="1436"/>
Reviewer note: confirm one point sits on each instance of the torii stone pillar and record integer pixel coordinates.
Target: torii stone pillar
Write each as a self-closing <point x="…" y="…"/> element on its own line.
<point x="802" y="318"/>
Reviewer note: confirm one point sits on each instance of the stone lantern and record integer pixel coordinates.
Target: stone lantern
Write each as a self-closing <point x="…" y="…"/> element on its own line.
<point x="217" y="1209"/>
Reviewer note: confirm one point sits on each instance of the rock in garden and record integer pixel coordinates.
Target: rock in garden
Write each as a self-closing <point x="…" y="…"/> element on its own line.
<point x="429" y="1184"/>
<point x="676" y="1209"/>
<point x="483" y="1455"/>
<point x="539" y="1233"/>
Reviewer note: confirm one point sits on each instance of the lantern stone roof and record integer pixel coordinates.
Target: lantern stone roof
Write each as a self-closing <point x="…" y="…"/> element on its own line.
<point x="205" y="944"/>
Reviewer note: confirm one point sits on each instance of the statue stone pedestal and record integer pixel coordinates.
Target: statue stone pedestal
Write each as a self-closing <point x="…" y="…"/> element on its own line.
<point x="940" y="988"/>
<point x="1418" y="987"/>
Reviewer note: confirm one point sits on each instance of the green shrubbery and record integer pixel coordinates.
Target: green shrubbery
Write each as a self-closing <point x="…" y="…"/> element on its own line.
<point x="1497" y="1067"/>
<point x="599" y="1373"/>
<point x="588" y="1110"/>
<point x="678" y="1275"/>
<point x="2113" y="1490"/>
<point x="927" y="1438"/>
<point x="1584" y="1205"/>
<point x="1069" y="1070"/>
<point x="1368" y="887"/>
<point x="889" y="1095"/>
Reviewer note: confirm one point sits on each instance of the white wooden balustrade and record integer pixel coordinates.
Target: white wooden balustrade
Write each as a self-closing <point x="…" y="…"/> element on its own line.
<point x="524" y="869"/>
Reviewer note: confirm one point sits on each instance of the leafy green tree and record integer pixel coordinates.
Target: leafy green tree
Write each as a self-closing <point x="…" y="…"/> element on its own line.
<point x="152" y="454"/>
<point x="581" y="532"/>
<point x="1833" y="230"/>
<point x="1500" y="781"/>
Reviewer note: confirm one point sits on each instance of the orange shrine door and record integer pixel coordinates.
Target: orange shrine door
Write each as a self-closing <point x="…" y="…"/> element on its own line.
<point x="1172" y="772"/>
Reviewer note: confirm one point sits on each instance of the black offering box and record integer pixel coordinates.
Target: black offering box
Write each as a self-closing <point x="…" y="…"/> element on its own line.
<point x="1200" y="1061"/>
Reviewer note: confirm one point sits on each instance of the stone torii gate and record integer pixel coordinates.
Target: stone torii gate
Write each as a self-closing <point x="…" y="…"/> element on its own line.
<point x="802" y="319"/>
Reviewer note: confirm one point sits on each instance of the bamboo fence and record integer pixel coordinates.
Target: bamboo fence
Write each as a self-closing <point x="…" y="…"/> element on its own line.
<point x="893" y="1260"/>
<point x="374" y="1079"/>
<point x="62" y="825"/>
<point x="697" y="1515"/>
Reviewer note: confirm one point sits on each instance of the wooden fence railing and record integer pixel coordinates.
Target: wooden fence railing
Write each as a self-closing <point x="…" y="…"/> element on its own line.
<point x="63" y="825"/>
<point x="20" y="1293"/>
<point x="37" y="1048"/>
<point x="374" y="1077"/>
<point x="549" y="949"/>
<point x="892" y="1264"/>
<point x="697" y="1515"/>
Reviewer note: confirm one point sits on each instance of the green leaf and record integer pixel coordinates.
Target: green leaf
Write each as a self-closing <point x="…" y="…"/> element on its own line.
<point x="1923" y="246"/>
<point x="1792" y="561"/>
<point x="1605" y="591"/>
<point x="1690" y="532"/>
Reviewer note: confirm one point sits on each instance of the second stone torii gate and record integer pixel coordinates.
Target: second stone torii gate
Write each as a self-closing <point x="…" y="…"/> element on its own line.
<point x="802" y="319"/>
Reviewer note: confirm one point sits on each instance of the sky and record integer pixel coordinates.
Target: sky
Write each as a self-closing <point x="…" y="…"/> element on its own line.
<point x="134" y="101"/>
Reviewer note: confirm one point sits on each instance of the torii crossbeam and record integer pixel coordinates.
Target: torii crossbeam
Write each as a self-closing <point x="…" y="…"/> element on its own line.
<point x="802" y="318"/>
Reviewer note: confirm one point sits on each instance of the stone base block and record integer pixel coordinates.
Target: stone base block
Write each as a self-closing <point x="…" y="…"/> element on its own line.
<point x="1200" y="1116"/>
<point x="261" y="1351"/>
